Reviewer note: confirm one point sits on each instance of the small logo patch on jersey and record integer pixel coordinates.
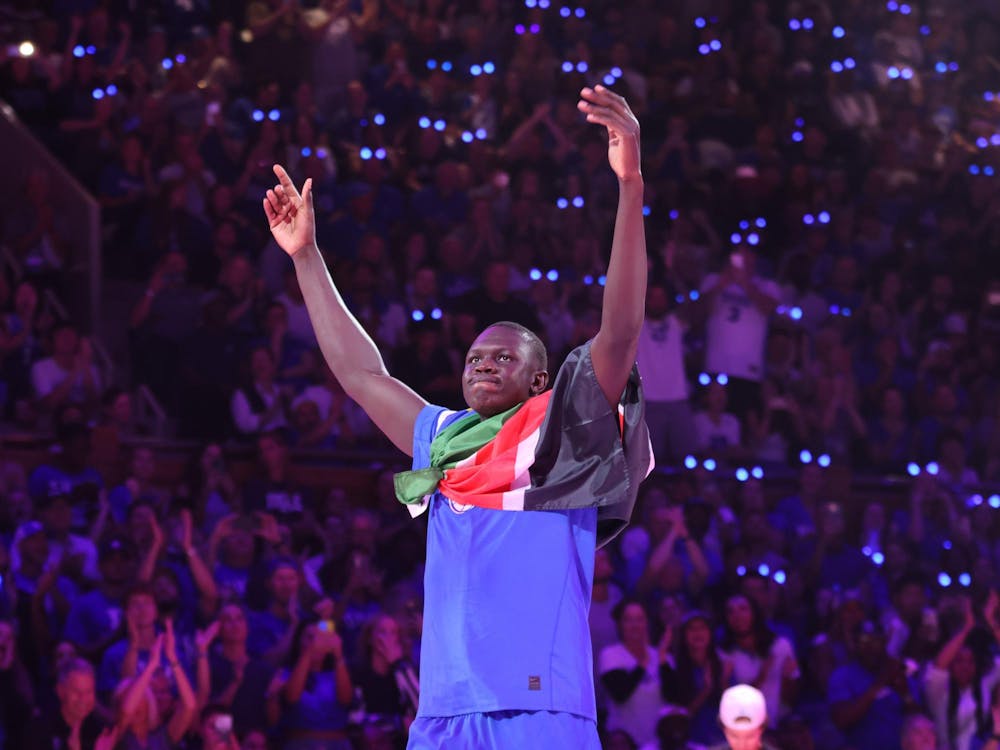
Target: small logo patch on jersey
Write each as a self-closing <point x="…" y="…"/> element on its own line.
<point x="534" y="682"/>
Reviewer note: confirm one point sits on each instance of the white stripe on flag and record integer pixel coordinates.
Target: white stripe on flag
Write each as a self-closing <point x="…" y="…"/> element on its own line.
<point x="513" y="499"/>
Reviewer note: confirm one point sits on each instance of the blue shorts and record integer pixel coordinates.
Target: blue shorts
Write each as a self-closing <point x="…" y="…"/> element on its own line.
<point x="503" y="730"/>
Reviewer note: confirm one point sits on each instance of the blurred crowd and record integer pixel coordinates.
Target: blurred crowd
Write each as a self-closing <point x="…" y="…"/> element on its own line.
<point x="823" y="223"/>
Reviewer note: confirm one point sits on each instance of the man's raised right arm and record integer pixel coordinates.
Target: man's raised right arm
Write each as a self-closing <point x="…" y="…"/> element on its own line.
<point x="349" y="351"/>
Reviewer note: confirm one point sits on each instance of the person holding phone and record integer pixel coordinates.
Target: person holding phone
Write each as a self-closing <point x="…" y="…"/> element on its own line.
<point x="506" y="655"/>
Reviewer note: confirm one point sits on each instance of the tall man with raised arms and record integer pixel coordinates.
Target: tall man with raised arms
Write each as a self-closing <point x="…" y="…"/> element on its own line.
<point x="521" y="487"/>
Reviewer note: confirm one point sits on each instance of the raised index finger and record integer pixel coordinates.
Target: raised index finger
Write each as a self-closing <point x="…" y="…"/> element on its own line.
<point x="285" y="180"/>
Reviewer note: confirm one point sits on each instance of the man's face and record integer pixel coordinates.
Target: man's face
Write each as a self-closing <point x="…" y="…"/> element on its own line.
<point x="920" y="736"/>
<point x="76" y="696"/>
<point x="284" y="584"/>
<point x="744" y="739"/>
<point x="500" y="372"/>
<point x="142" y="610"/>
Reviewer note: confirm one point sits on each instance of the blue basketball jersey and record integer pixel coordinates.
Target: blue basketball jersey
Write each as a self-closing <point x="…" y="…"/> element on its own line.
<point x="506" y="597"/>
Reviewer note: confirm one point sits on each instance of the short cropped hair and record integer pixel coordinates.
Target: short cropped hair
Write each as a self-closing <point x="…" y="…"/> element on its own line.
<point x="535" y="344"/>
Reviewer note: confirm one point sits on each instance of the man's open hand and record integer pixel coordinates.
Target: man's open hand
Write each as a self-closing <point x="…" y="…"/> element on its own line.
<point x="289" y="214"/>
<point x="612" y="111"/>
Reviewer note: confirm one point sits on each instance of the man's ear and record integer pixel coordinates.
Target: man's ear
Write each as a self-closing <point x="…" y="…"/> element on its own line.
<point x="538" y="382"/>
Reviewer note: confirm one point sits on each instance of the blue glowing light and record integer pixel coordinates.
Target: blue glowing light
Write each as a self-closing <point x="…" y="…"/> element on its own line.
<point x="941" y="67"/>
<point x="893" y="72"/>
<point x="366" y="153"/>
<point x="994" y="501"/>
<point x="933" y="468"/>
<point x="609" y="80"/>
<point x="481" y="134"/>
<point x="764" y="569"/>
<point x="699" y="23"/>
<point x="742" y="474"/>
<point x="580" y="13"/>
<point x="79" y="51"/>
<point x="588" y="279"/>
<point x="807" y="23"/>
<point x="306" y="152"/>
<point x="440" y="125"/>
<point x="97" y="94"/>
<point x="562" y="203"/>
<point x="690" y="462"/>
<point x="824" y="217"/>
<point x="274" y="115"/>
<point x="808" y="220"/>
<point x="602" y="280"/>
<point x="780" y="577"/>
<point x="824" y="461"/>
<point x="565" y="12"/>
<point x="578" y="202"/>
<point x="167" y="63"/>
<point x="849" y="63"/>
<point x="836" y="66"/>
<point x="761" y="222"/>
<point x="805" y="456"/>
<point x="741" y="570"/>
<point x="380" y="154"/>
<point x="757" y="472"/>
<point x="795" y="313"/>
<point x="582" y="66"/>
<point x="753" y="238"/>
<point x="722" y="379"/>
<point x="616" y="72"/>
<point x="467" y="137"/>
<point x="379" y="119"/>
<point x="534" y="274"/>
<point x="709" y="464"/>
<point x="715" y="44"/>
<point x="693" y="295"/>
<point x="913" y="469"/>
<point x="797" y="136"/>
<point x="417" y="315"/>
<point x="446" y="66"/>
<point x="906" y="73"/>
<point x="436" y="313"/>
<point x="424" y="122"/>
<point x="567" y="67"/>
<point x="258" y="115"/>
<point x="476" y="70"/>
<point x="965" y="579"/>
<point x="704" y="379"/>
<point x="794" y="24"/>
<point x="736" y="238"/>
<point x="552" y="275"/>
<point x="878" y="558"/>
<point x="944" y="580"/>
<point x="838" y="32"/>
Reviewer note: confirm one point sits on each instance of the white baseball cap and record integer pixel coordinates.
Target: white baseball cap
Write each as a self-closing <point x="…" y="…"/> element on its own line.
<point x="742" y="707"/>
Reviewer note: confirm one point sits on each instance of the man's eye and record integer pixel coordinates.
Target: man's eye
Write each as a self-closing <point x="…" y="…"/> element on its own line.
<point x="473" y="360"/>
<point x="504" y="357"/>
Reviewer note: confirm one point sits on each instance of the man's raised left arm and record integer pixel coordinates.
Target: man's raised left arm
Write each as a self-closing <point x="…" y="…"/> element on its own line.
<point x="614" y="347"/>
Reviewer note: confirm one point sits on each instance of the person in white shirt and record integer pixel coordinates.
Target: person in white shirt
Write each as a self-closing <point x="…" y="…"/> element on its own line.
<point x="737" y="304"/>
<point x="629" y="672"/>
<point x="717" y="431"/>
<point x="958" y="685"/>
<point x="69" y="375"/>
<point x="661" y="361"/>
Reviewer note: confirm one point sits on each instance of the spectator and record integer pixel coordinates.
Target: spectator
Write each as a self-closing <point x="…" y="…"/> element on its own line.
<point x="138" y="708"/>
<point x="958" y="684"/>
<point x="695" y="677"/>
<point x="743" y="715"/>
<point x="870" y="695"/>
<point x="261" y="404"/>
<point x="759" y="656"/>
<point x="388" y="681"/>
<point x="69" y="375"/>
<point x="918" y="734"/>
<point x="74" y="721"/>
<point x="629" y="671"/>
<point x="661" y="360"/>
<point x="227" y="676"/>
<point x="737" y="303"/>
<point x="313" y="691"/>
<point x="272" y="629"/>
<point x="94" y="619"/>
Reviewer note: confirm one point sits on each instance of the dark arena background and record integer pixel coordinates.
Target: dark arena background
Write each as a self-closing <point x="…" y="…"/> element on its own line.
<point x="200" y="540"/>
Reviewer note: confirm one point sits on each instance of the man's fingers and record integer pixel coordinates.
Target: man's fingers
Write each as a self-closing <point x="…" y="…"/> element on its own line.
<point x="602" y="97"/>
<point x="284" y="179"/>
<point x="270" y="212"/>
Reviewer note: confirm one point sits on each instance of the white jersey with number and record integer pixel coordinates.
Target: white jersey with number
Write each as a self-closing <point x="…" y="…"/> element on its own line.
<point x="737" y="329"/>
<point x="661" y="359"/>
